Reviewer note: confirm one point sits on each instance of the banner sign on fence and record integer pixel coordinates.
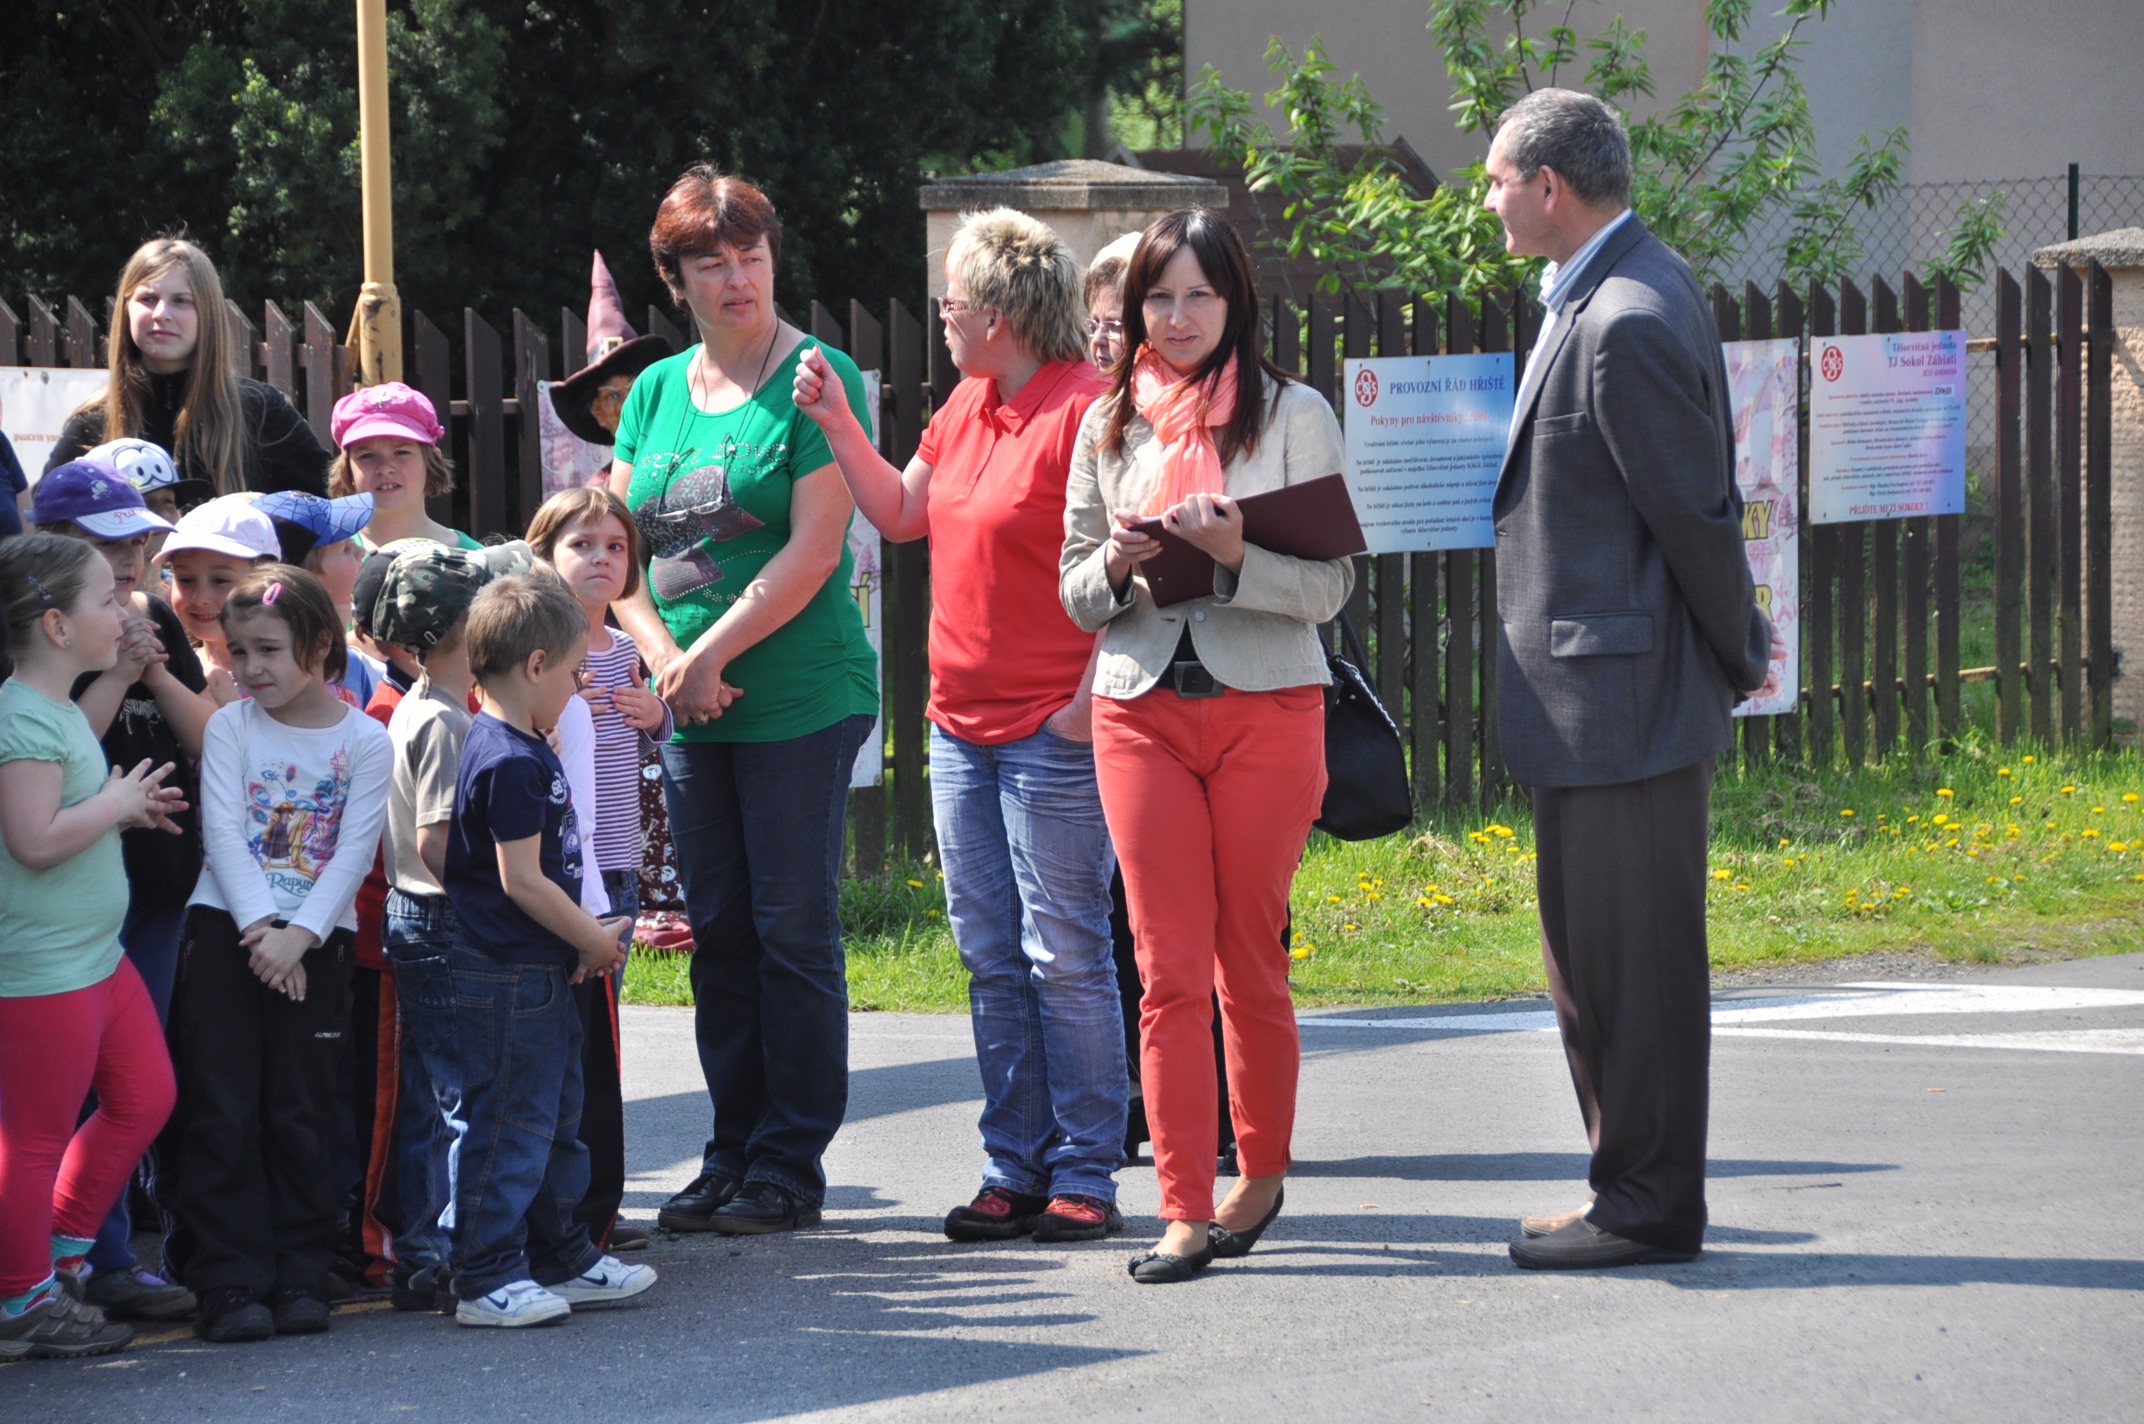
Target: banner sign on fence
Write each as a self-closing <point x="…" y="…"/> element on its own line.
<point x="35" y="402"/>
<point x="1425" y="440"/>
<point x="1764" y="388"/>
<point x="867" y="587"/>
<point x="1886" y="426"/>
<point x="568" y="461"/>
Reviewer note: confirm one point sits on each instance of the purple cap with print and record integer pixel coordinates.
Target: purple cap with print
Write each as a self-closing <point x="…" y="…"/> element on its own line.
<point x="94" y="494"/>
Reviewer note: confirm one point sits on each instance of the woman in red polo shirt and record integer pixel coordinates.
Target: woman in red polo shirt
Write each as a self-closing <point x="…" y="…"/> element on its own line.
<point x="1020" y="830"/>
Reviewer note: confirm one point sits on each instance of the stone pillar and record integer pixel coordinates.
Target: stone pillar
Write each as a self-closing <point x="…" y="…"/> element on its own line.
<point x="2121" y="252"/>
<point x="1088" y="202"/>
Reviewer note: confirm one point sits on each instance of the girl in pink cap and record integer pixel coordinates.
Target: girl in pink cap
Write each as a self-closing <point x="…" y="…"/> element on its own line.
<point x="387" y="439"/>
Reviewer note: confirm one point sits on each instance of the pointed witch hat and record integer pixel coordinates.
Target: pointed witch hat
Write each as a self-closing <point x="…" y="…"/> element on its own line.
<point x="613" y="350"/>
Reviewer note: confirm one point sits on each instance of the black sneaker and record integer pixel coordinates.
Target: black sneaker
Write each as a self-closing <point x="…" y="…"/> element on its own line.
<point x="136" y="1294"/>
<point x="762" y="1209"/>
<point x="693" y="1208"/>
<point x="1073" y="1217"/>
<point x="230" y="1314"/>
<point x="422" y="1288"/>
<point x="297" y="1311"/>
<point x="995" y="1215"/>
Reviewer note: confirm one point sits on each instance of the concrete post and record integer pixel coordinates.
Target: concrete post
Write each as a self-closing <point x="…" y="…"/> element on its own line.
<point x="1087" y="201"/>
<point x="2121" y="252"/>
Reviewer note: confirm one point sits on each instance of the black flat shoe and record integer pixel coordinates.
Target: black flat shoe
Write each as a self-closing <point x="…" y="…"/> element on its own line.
<point x="1160" y="1268"/>
<point x="1228" y="1244"/>
<point x="692" y="1208"/>
<point x="762" y="1209"/>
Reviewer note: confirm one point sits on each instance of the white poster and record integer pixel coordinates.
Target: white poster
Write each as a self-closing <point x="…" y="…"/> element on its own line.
<point x="1425" y="440"/>
<point x="866" y="587"/>
<point x="35" y="402"/>
<point x="1886" y="426"/>
<point x="1763" y="381"/>
<point x="568" y="461"/>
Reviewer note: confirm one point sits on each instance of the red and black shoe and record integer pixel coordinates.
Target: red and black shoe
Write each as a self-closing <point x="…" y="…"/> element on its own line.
<point x="995" y="1215"/>
<point x="1072" y="1217"/>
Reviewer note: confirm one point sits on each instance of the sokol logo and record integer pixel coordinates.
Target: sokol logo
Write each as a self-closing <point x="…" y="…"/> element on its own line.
<point x="1833" y="363"/>
<point x="1366" y="387"/>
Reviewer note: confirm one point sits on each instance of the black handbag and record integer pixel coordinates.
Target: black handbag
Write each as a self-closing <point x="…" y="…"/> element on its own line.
<point x="1367" y="791"/>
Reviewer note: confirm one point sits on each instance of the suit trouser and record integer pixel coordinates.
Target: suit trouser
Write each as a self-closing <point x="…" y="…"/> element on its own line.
<point x="1209" y="802"/>
<point x="1622" y="889"/>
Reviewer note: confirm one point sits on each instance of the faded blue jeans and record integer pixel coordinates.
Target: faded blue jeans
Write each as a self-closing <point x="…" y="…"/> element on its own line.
<point x="1027" y="864"/>
<point x="429" y="1125"/>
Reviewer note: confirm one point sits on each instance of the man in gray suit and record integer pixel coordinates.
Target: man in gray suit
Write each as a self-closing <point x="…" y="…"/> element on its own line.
<point x="1629" y="631"/>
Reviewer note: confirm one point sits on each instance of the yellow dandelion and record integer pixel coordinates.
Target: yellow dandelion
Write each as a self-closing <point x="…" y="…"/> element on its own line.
<point x="2089" y="834"/>
<point x="1847" y="812"/>
<point x="1784" y="841"/>
<point x="2067" y="790"/>
<point x="2117" y="845"/>
<point x="2096" y="810"/>
<point x="2002" y="771"/>
<point x="1444" y="899"/>
<point x="1945" y="791"/>
<point x="917" y="883"/>
<point x="2029" y="760"/>
<point x="1332" y="899"/>
<point x="1938" y="820"/>
<point x="1721" y="875"/>
<point x="2129" y="796"/>
<point x="2017" y="800"/>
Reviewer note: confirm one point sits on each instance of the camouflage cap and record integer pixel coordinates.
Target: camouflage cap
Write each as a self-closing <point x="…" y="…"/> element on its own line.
<point x="428" y="589"/>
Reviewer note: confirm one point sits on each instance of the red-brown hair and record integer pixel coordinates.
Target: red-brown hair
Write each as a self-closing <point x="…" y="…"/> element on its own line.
<point x="705" y="210"/>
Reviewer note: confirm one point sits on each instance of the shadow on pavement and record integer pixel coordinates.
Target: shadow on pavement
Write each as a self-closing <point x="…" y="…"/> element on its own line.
<point x="1731" y="1270"/>
<point x="1544" y="1167"/>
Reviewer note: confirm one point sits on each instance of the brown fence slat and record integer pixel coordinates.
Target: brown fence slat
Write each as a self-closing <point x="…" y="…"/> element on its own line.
<point x="572" y="341"/>
<point x="867" y="804"/>
<point x="279" y="350"/>
<point x="1287" y="336"/>
<point x="1759" y="734"/>
<point x="1950" y="711"/>
<point x="532" y="363"/>
<point x="1787" y="728"/>
<point x="80" y="339"/>
<point x="2040" y="499"/>
<point x="10" y="336"/>
<point x="432" y="372"/>
<point x="1459" y="590"/>
<point x="1727" y="321"/>
<point x="867" y="346"/>
<point x="1424" y="726"/>
<point x="317" y="359"/>
<point x="1495" y="337"/>
<point x="1355" y="333"/>
<point x="1318" y="361"/>
<point x="1820" y="539"/>
<point x="659" y="324"/>
<point x="1883" y="578"/>
<point x="2069" y="495"/>
<point x="1850" y="550"/>
<point x="2009" y="506"/>
<point x="484" y="378"/>
<point x="42" y="346"/>
<point x="908" y="617"/>
<point x="2099" y="504"/>
<point x="1915" y="552"/>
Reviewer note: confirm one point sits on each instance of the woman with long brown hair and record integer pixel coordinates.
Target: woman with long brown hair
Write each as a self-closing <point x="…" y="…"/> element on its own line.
<point x="1209" y="715"/>
<point x="176" y="382"/>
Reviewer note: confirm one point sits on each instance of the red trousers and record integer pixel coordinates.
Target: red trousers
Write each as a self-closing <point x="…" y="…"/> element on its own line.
<point x="56" y="1178"/>
<point x="1209" y="802"/>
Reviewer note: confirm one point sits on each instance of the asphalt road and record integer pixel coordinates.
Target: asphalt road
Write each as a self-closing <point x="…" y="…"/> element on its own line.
<point x="1926" y="1205"/>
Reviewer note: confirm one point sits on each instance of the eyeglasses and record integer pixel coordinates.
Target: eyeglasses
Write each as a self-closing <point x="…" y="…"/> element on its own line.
<point x="1096" y="326"/>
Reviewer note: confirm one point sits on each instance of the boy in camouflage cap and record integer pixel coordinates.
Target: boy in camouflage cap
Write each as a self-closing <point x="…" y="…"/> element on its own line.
<point x="428" y="589"/>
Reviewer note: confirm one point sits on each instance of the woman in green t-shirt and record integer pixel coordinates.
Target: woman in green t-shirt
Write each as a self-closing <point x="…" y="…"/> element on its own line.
<point x="747" y="619"/>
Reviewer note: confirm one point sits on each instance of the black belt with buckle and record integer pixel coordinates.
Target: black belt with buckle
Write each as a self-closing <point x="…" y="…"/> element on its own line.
<point x="1188" y="675"/>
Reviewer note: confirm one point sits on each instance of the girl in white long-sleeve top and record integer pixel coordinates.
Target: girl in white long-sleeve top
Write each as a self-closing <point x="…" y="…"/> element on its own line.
<point x="294" y="787"/>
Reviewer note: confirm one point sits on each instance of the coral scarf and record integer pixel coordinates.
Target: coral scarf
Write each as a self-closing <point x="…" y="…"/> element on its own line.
<point x="1183" y="413"/>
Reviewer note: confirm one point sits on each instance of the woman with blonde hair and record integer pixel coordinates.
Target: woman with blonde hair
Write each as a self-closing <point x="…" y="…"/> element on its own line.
<point x="176" y="382"/>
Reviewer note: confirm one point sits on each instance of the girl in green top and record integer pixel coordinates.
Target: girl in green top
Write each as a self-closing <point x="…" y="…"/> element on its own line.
<point x="746" y="617"/>
<point x="73" y="1011"/>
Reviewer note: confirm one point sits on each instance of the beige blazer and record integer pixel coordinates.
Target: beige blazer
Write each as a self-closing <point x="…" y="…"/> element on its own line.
<point x="1258" y="630"/>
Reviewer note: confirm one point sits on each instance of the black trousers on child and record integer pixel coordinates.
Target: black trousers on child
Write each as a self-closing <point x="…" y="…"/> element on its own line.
<point x="602" y="1106"/>
<point x="255" y="1195"/>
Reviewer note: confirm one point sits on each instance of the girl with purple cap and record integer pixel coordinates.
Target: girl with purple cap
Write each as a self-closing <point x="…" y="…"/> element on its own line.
<point x="388" y="441"/>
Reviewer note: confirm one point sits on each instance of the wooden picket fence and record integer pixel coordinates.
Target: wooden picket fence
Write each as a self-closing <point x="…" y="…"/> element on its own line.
<point x="1880" y="601"/>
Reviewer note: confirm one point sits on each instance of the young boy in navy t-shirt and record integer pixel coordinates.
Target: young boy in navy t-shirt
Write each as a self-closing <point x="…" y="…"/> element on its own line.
<point x="513" y="873"/>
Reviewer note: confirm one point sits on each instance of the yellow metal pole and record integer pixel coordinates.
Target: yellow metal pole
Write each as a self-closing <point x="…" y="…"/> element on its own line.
<point x="379" y="308"/>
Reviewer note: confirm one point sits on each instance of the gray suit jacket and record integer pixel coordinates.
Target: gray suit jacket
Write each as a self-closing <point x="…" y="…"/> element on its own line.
<point x="1629" y="624"/>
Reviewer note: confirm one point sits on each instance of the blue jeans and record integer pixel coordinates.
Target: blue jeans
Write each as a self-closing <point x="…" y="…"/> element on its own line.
<point x="428" y="1126"/>
<point x="758" y="829"/>
<point x="1027" y="866"/>
<point x="522" y="1167"/>
<point x="151" y="939"/>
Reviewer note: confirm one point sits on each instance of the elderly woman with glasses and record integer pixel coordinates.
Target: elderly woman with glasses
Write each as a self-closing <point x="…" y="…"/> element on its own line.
<point x="1020" y="829"/>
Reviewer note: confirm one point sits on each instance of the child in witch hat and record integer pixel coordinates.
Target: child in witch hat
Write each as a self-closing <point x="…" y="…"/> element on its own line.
<point x="589" y="400"/>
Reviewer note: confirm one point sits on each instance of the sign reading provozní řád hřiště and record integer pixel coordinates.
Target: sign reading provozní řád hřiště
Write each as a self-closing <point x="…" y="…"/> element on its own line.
<point x="1425" y="440"/>
<point x="1886" y="426"/>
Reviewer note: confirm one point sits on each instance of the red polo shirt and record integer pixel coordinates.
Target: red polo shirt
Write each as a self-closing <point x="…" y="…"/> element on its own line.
<point x="1003" y="654"/>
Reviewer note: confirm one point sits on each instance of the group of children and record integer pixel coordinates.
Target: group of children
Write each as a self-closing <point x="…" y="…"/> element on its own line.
<point x="206" y="838"/>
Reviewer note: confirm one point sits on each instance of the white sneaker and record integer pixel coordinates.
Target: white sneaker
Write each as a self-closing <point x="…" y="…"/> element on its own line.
<point x="513" y="1305"/>
<point x="608" y="1279"/>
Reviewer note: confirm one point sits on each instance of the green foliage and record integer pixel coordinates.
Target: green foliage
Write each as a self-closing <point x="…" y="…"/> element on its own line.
<point x="524" y="135"/>
<point x="1710" y="165"/>
<point x="1970" y="245"/>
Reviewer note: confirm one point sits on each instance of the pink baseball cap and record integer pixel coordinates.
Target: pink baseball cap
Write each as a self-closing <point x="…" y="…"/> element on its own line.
<point x="389" y="408"/>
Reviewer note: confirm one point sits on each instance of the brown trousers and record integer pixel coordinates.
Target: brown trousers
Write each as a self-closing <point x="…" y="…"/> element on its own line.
<point x="1622" y="887"/>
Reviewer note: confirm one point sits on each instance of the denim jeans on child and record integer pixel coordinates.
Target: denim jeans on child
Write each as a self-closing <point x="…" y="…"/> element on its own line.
<point x="428" y="1126"/>
<point x="758" y="830"/>
<point x="522" y="1168"/>
<point x="1027" y="866"/>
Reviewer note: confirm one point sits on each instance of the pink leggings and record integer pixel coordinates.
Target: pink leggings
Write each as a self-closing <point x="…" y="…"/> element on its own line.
<point x="55" y="1177"/>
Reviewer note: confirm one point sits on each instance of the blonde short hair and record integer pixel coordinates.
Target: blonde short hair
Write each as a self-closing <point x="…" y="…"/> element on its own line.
<point x="518" y="615"/>
<point x="1017" y="265"/>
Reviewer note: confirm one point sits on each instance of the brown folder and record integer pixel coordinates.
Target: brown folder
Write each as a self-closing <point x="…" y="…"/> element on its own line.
<point x="1312" y="520"/>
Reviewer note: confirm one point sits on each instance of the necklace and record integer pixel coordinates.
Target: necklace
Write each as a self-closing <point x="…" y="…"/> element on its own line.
<point x="692" y="372"/>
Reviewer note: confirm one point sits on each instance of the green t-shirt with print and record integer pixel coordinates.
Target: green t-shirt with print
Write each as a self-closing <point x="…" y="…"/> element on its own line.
<point x="59" y="927"/>
<point x="710" y="494"/>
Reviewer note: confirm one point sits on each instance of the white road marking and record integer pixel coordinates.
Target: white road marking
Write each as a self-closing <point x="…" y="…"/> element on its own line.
<point x="2077" y="1040"/>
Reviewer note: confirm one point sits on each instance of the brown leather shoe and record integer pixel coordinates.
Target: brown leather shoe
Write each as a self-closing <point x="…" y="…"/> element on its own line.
<point x="1543" y="1223"/>
<point x="1582" y="1246"/>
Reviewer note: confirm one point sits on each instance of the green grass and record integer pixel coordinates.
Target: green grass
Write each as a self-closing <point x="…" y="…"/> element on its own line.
<point x="1806" y="866"/>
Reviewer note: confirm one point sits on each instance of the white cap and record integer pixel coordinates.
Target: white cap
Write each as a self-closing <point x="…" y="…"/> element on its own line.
<point x="1122" y="247"/>
<point x="229" y="525"/>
